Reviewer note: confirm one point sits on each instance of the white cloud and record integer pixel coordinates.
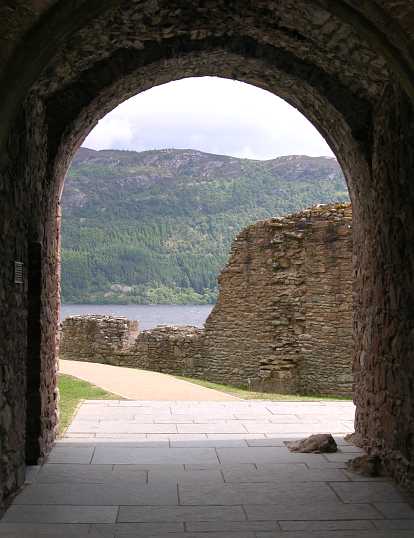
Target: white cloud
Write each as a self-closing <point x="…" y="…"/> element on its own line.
<point x="209" y="114"/>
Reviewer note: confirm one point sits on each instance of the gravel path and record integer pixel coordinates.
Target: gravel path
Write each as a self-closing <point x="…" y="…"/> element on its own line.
<point x="135" y="384"/>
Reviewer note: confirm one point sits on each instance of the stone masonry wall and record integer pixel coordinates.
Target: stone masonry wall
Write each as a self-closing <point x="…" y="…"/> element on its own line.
<point x="284" y="314"/>
<point x="117" y="341"/>
<point x="326" y="340"/>
<point x="283" y="320"/>
<point x="97" y="338"/>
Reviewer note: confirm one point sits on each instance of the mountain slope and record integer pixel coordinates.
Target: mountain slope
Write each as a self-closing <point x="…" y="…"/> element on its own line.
<point x="156" y="226"/>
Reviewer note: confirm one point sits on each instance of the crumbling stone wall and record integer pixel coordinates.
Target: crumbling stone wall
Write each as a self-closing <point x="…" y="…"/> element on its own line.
<point x="117" y="341"/>
<point x="97" y="338"/>
<point x="172" y="350"/>
<point x="283" y="320"/>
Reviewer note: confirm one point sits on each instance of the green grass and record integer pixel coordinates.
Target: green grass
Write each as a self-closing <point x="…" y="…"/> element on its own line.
<point x="72" y="391"/>
<point x="252" y="395"/>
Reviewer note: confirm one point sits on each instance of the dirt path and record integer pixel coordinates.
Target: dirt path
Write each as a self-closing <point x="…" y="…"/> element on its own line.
<point x="140" y="384"/>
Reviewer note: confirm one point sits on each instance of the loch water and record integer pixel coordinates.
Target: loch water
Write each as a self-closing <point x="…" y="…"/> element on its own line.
<point x="149" y="316"/>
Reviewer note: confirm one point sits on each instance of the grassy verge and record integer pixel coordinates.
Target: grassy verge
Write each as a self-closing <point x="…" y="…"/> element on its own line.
<point x="72" y="391"/>
<point x="252" y="395"/>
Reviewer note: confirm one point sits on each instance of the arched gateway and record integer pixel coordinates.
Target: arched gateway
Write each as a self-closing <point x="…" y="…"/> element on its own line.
<point x="347" y="65"/>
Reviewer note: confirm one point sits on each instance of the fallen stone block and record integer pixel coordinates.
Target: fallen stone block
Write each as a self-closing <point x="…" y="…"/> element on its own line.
<point x="318" y="443"/>
<point x="366" y="466"/>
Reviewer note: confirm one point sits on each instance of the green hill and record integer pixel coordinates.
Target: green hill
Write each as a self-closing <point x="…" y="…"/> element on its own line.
<point x="156" y="226"/>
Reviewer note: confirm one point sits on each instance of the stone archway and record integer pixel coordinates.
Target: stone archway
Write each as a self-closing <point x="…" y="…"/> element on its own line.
<point x="348" y="68"/>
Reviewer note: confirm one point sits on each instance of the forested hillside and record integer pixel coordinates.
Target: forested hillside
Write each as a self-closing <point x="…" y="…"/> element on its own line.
<point x="156" y="226"/>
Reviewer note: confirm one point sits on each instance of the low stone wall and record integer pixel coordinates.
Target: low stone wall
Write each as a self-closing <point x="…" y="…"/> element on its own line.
<point x="283" y="320"/>
<point x="170" y="349"/>
<point x="117" y="341"/>
<point x="95" y="338"/>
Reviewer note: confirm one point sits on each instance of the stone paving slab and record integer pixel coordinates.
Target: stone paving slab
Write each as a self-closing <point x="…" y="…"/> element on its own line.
<point x="120" y="427"/>
<point x="115" y="531"/>
<point x="159" y="456"/>
<point x="121" y="442"/>
<point x="215" y="427"/>
<point x="394" y="524"/>
<point x="93" y="474"/>
<point x="204" y="469"/>
<point x="139" y="530"/>
<point x="256" y="441"/>
<point x="268" y="427"/>
<point x="367" y="492"/>
<point x="395" y="510"/>
<point x="293" y="494"/>
<point x="314" y="526"/>
<point x="336" y="534"/>
<point x="284" y="472"/>
<point x="180" y="513"/>
<point x="78" y="454"/>
<point x="119" y="492"/>
<point x="216" y="443"/>
<point x="38" y="513"/>
<point x="44" y="530"/>
<point x="311" y="510"/>
<point x="186" y="476"/>
<point x="193" y="535"/>
<point x="230" y="526"/>
<point x="266" y="455"/>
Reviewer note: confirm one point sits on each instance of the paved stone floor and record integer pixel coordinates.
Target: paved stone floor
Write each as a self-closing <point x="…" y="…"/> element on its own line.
<point x="195" y="469"/>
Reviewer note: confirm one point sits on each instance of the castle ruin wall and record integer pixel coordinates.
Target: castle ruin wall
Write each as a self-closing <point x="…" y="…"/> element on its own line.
<point x="282" y="322"/>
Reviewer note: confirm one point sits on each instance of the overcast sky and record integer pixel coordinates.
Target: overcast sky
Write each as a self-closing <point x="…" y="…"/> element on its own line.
<point x="209" y="114"/>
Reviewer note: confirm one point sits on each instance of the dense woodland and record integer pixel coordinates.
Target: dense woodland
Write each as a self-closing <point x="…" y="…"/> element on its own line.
<point x="156" y="226"/>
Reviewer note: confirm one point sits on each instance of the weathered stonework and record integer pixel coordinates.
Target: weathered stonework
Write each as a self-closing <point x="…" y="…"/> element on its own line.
<point x="283" y="320"/>
<point x="117" y="341"/>
<point x="284" y="313"/>
<point x="170" y="349"/>
<point x="102" y="338"/>
<point x="347" y="65"/>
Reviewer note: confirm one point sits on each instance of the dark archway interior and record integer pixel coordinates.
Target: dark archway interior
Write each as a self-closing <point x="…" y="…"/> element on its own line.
<point x="348" y="66"/>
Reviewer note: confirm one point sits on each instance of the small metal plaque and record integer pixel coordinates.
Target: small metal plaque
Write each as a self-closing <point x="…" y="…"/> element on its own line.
<point x="18" y="273"/>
